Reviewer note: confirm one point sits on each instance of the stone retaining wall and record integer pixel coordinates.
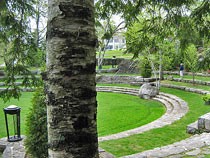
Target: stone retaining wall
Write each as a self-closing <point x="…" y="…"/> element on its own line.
<point x="185" y="73"/>
<point x="138" y="81"/>
<point x="109" y="61"/>
<point x="122" y="79"/>
<point x="191" y="81"/>
<point x="12" y="149"/>
<point x="194" y="90"/>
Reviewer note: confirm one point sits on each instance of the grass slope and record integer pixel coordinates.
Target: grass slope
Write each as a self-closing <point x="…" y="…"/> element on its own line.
<point x="117" y="53"/>
<point x="161" y="136"/>
<point x="120" y="112"/>
<point x="116" y="112"/>
<point x="24" y="103"/>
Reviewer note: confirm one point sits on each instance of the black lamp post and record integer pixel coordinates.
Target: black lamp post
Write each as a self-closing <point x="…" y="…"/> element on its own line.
<point x="14" y="111"/>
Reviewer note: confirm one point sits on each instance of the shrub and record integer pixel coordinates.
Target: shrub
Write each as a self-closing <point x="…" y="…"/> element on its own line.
<point x="206" y="98"/>
<point x="145" y="68"/>
<point x="36" y="127"/>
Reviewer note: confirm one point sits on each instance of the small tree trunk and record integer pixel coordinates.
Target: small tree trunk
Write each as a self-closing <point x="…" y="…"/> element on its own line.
<point x="193" y="78"/>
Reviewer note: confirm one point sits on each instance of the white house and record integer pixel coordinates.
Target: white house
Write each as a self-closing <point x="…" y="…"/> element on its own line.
<point x="116" y="42"/>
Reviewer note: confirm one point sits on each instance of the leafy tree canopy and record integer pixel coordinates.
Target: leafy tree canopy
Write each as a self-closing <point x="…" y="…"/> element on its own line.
<point x="130" y="9"/>
<point x="20" y="44"/>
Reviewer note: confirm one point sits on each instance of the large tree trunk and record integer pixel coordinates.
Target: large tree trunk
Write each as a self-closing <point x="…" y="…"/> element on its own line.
<point x="70" y="79"/>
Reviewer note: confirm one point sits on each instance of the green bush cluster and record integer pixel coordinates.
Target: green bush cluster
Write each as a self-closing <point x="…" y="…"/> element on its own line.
<point x="36" y="127"/>
<point x="206" y="98"/>
<point x="145" y="68"/>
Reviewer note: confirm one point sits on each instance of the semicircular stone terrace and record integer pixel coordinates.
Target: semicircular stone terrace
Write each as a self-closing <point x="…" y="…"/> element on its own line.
<point x="175" y="109"/>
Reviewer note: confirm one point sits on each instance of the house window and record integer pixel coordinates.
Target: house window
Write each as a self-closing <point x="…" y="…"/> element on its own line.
<point x="116" y="40"/>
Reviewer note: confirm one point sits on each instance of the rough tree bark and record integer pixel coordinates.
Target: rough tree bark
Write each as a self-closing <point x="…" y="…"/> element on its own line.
<point x="70" y="79"/>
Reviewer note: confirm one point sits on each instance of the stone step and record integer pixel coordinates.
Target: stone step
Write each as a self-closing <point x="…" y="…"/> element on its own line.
<point x="181" y="102"/>
<point x="200" y="126"/>
<point x="167" y="104"/>
<point x="119" y="90"/>
<point x="179" y="110"/>
<point x="204" y="122"/>
<point x="173" y="150"/>
<point x="193" y="128"/>
<point x="175" y="104"/>
<point x="173" y="113"/>
<point x="178" y="107"/>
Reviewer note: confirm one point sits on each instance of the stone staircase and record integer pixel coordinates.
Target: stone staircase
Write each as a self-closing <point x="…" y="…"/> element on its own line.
<point x="175" y="109"/>
<point x="123" y="90"/>
<point x="200" y="126"/>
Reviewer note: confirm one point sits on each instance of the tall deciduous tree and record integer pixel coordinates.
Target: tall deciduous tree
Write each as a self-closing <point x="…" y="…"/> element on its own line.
<point x="172" y="13"/>
<point x="105" y="32"/>
<point x="70" y="79"/>
<point x="191" y="59"/>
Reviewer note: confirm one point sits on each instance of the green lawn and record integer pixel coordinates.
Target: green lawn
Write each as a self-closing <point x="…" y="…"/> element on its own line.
<point x="116" y="112"/>
<point x="24" y="103"/>
<point x="105" y="67"/>
<point x="120" y="112"/>
<point x="110" y="114"/>
<point x="161" y="136"/>
<point x="117" y="53"/>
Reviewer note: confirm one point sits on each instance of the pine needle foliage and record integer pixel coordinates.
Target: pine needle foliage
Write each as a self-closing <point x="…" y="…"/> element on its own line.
<point x="15" y="33"/>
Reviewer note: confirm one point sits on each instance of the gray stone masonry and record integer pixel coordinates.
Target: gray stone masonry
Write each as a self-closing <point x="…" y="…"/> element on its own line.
<point x="175" y="109"/>
<point x="195" y="146"/>
<point x="17" y="149"/>
<point x="185" y="73"/>
<point x="189" y="147"/>
<point x="13" y="149"/>
<point x="204" y="122"/>
<point x="191" y="81"/>
<point x="193" y="90"/>
<point x="193" y="128"/>
<point x="148" y="91"/>
<point x="123" y="79"/>
<point x="201" y="125"/>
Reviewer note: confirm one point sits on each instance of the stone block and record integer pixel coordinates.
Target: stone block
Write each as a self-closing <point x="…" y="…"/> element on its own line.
<point x="170" y="78"/>
<point x="148" y="91"/>
<point x="201" y="123"/>
<point x="204" y="122"/>
<point x="207" y="124"/>
<point x="192" y="128"/>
